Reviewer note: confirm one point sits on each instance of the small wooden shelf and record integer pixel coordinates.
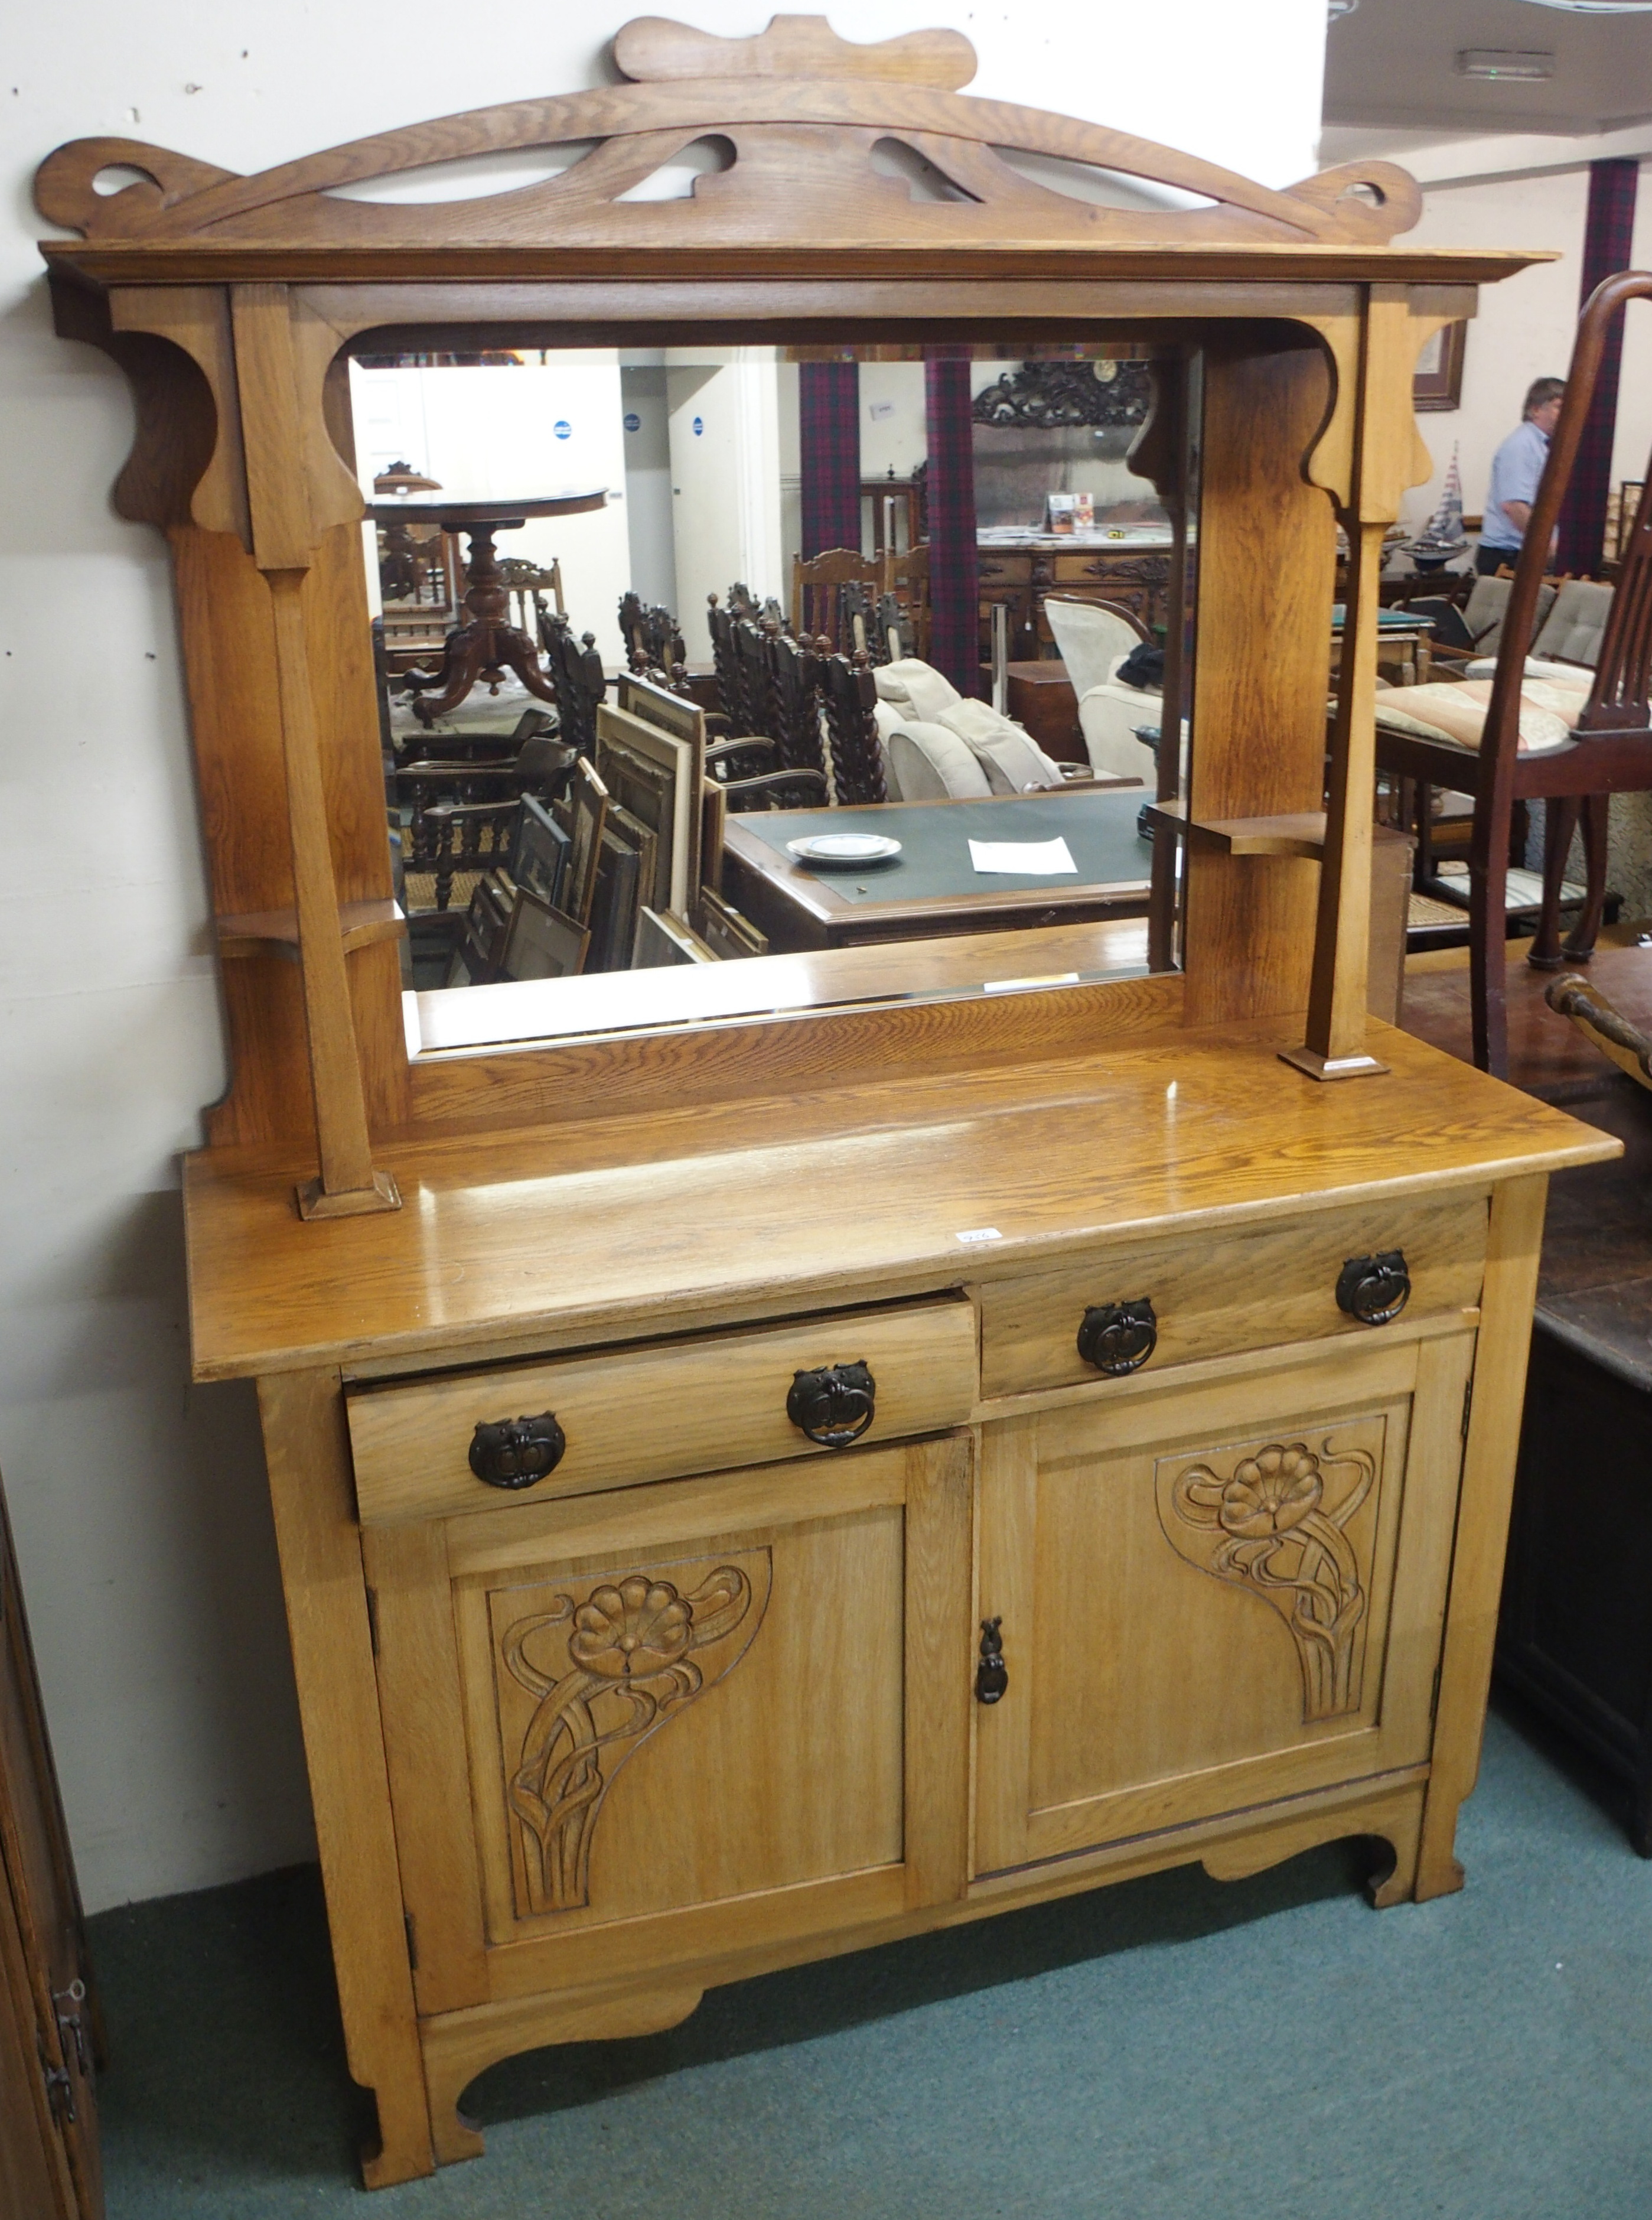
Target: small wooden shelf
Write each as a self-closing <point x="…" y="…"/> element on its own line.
<point x="1301" y="834"/>
<point x="275" y="932"/>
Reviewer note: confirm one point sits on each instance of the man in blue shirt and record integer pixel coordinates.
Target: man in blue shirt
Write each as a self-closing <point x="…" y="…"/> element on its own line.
<point x="1517" y="468"/>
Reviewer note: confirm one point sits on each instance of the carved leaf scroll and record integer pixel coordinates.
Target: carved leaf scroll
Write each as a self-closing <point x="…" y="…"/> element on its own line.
<point x="804" y="108"/>
<point x="1272" y="1518"/>
<point x="615" y="1656"/>
<point x="1051" y="395"/>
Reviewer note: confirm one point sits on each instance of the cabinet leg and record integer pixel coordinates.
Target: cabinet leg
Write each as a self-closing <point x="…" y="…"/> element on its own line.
<point x="1403" y="1833"/>
<point x="1514" y="1239"/>
<point x="460" y="2045"/>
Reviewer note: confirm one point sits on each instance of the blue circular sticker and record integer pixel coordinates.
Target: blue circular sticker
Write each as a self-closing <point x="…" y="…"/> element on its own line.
<point x="699" y="425"/>
<point x="563" y="429"/>
<point x="633" y="422"/>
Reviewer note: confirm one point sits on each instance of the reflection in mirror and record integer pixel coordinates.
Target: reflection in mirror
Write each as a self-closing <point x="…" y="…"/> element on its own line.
<point x="690" y="655"/>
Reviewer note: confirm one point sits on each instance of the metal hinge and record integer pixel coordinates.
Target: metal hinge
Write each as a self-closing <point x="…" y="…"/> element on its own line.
<point x="1468" y="1403"/>
<point x="71" y="2030"/>
<point x="372" y="1618"/>
<point x="1434" y="1696"/>
<point x="413" y="1942"/>
<point x="60" y="2088"/>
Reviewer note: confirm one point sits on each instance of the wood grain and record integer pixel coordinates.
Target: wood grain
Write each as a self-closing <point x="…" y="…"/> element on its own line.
<point x="1516" y="1239"/>
<point x="1204" y="1131"/>
<point x="308" y="1459"/>
<point x="1214" y="1295"/>
<point x="657" y="1411"/>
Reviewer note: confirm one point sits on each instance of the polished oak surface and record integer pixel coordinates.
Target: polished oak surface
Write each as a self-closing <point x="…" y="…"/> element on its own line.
<point x="519" y="1237"/>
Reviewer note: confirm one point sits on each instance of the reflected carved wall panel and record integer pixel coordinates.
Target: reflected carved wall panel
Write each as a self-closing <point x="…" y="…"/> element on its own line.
<point x="1281" y="1519"/>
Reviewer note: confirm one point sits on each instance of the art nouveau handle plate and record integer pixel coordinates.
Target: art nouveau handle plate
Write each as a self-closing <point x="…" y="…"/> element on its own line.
<point x="833" y="1404"/>
<point x="1374" y="1289"/>
<point x="513" y="1453"/>
<point x="1119" y="1338"/>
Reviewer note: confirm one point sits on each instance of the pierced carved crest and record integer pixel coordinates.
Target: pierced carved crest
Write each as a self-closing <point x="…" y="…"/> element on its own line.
<point x="614" y="1657"/>
<point x="1274" y="1519"/>
<point x="812" y="122"/>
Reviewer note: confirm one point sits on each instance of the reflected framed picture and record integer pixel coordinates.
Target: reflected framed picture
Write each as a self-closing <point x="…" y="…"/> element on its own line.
<point x="726" y="933"/>
<point x="541" y="942"/>
<point x="1438" y="381"/>
<point x="588" y="806"/>
<point x="539" y="854"/>
<point x="663" y="940"/>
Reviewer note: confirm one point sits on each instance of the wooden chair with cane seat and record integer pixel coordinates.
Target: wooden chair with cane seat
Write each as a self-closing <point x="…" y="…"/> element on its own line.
<point x="1607" y="749"/>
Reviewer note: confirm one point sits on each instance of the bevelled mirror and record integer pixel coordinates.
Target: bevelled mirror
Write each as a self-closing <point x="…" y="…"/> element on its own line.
<point x="690" y="655"/>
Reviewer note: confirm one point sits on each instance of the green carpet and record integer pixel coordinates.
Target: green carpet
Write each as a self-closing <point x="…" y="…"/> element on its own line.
<point x="1172" y="2048"/>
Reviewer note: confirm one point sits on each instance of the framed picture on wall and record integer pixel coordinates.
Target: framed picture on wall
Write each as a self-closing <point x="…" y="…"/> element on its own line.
<point x="1437" y="383"/>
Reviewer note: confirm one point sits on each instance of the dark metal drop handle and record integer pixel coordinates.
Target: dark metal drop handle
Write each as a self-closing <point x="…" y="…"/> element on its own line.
<point x="834" y="1404"/>
<point x="1374" y="1289"/>
<point x="516" y="1452"/>
<point x="992" y="1673"/>
<point x="1119" y="1338"/>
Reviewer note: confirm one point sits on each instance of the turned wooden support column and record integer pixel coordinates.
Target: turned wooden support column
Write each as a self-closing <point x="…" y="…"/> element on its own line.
<point x="280" y="452"/>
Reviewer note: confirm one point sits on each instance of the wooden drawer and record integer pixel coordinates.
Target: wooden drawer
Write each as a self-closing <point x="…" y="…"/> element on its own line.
<point x="658" y="1411"/>
<point x="1003" y="569"/>
<point x="1126" y="567"/>
<point x="1218" y="1293"/>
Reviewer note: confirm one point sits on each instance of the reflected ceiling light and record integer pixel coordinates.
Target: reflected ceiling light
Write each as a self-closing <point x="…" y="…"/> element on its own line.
<point x="1489" y="61"/>
<point x="1595" y="6"/>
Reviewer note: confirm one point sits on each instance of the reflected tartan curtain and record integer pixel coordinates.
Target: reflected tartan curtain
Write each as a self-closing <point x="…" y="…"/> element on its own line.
<point x="829" y="440"/>
<point x="1607" y="245"/>
<point x="954" y="590"/>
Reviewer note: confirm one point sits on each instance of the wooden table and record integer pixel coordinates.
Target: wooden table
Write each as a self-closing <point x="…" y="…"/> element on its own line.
<point x="489" y="644"/>
<point x="934" y="887"/>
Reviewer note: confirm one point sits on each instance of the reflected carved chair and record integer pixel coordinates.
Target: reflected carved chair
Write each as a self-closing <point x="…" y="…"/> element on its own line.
<point x="818" y="604"/>
<point x="575" y="670"/>
<point x="650" y="633"/>
<point x="850" y="696"/>
<point x="1552" y="731"/>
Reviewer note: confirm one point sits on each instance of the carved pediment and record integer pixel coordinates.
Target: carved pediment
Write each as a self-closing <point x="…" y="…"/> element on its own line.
<point x="819" y="130"/>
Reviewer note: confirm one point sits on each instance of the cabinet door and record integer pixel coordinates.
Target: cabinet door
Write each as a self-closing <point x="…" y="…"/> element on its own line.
<point x="1215" y="1596"/>
<point x="631" y="1729"/>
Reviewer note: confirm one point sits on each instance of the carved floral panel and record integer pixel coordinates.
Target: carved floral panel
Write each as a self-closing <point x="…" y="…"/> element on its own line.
<point x="1291" y="1519"/>
<point x="588" y="1672"/>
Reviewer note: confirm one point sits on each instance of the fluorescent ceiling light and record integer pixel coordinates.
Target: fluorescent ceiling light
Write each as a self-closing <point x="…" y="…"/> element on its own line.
<point x="1595" y="7"/>
<point x="1488" y="61"/>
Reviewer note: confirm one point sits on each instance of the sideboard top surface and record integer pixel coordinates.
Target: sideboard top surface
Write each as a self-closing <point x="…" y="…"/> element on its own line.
<point x="637" y="1225"/>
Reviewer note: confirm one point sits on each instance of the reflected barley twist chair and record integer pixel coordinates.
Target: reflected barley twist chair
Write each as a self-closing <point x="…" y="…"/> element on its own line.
<point x="1588" y="735"/>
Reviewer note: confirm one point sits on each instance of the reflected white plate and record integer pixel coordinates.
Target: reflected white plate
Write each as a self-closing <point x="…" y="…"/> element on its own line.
<point x="844" y="851"/>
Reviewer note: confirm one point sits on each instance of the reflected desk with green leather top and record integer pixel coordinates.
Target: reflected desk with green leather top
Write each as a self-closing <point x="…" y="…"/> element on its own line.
<point x="932" y="886"/>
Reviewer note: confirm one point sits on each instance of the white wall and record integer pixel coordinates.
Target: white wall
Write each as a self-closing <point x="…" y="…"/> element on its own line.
<point x="1524" y="328"/>
<point x="138" y="1499"/>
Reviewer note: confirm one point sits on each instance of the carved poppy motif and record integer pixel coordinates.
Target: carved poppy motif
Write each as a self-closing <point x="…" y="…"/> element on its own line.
<point x="606" y="1669"/>
<point x="636" y="1629"/>
<point x="1268" y="1524"/>
<point x="1272" y="1492"/>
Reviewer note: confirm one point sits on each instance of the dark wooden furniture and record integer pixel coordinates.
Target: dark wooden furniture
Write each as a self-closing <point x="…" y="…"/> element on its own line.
<point x="1610" y="751"/>
<point x="49" y="2029"/>
<point x="541" y="1467"/>
<point x="848" y="695"/>
<point x="573" y="679"/>
<point x="487" y="644"/>
<point x="1133" y="575"/>
<point x="934" y="888"/>
<point x="1574" y="1636"/>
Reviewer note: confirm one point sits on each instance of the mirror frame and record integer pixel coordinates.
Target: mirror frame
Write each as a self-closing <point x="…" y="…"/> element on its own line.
<point x="232" y="303"/>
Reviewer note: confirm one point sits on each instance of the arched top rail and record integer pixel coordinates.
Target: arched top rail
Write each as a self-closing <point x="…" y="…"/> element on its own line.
<point x="804" y="112"/>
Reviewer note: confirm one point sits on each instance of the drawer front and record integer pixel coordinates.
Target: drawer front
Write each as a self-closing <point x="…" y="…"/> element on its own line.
<point x="657" y="1411"/>
<point x="1004" y="569"/>
<point x="1225" y="1292"/>
<point x="1124" y="568"/>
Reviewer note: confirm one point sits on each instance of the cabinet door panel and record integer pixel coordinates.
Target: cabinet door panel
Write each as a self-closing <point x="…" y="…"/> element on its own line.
<point x="1215" y="1598"/>
<point x="625" y="1730"/>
